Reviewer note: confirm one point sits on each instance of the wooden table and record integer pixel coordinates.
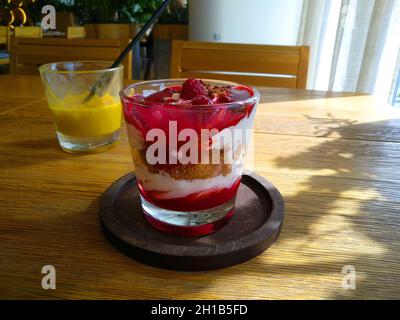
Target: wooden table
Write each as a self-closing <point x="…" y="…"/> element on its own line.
<point x="334" y="157"/>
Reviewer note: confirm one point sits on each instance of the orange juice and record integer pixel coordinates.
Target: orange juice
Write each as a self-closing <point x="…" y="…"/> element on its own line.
<point x="101" y="115"/>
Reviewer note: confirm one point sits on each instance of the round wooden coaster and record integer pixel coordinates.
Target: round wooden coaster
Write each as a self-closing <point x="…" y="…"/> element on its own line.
<point x="254" y="227"/>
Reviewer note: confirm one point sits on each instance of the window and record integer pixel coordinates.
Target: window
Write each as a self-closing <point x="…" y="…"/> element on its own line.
<point x="396" y="96"/>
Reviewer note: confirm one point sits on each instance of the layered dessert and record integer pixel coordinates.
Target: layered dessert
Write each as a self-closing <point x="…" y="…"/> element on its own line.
<point x="100" y="116"/>
<point x="198" y="163"/>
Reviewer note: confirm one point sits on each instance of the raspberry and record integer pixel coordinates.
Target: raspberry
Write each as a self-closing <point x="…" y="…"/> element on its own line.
<point x="193" y="88"/>
<point x="202" y="100"/>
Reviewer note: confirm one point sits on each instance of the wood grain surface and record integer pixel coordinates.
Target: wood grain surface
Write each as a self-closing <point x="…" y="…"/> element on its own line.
<point x="334" y="157"/>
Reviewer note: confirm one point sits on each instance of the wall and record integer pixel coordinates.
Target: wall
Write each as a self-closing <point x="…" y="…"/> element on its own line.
<point x="245" y="21"/>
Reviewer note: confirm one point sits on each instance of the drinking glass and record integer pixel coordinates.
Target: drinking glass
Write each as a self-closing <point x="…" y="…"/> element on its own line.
<point x="84" y="124"/>
<point x="188" y="159"/>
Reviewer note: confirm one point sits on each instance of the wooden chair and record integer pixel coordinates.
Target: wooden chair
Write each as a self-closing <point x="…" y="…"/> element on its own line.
<point x="28" y="53"/>
<point x="259" y="65"/>
<point x="28" y="32"/>
<point x="3" y="35"/>
<point x="76" y="32"/>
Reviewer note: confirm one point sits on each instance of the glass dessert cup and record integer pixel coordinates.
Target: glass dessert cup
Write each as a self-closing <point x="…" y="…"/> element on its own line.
<point x="188" y="158"/>
<point x="84" y="126"/>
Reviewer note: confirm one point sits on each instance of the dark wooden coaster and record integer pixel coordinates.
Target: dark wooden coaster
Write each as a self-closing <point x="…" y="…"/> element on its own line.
<point x="254" y="227"/>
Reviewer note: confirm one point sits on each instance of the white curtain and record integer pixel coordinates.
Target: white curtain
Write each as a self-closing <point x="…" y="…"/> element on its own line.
<point x="354" y="44"/>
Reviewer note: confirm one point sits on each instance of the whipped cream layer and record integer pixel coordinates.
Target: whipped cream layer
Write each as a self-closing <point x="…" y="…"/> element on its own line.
<point x="171" y="188"/>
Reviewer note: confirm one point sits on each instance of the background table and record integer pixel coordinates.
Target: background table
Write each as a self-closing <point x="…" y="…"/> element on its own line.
<point x="334" y="157"/>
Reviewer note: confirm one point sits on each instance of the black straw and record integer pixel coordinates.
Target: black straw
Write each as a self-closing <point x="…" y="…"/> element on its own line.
<point x="140" y="34"/>
<point x="99" y="84"/>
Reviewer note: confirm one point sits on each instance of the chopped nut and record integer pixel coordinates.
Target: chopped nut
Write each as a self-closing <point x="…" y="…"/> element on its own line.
<point x="176" y="96"/>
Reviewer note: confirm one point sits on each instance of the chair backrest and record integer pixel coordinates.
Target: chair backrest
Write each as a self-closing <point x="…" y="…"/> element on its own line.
<point x="3" y="35"/>
<point x="259" y="65"/>
<point x="27" y="53"/>
<point x="64" y="20"/>
<point x="28" y="32"/>
<point x="76" y="32"/>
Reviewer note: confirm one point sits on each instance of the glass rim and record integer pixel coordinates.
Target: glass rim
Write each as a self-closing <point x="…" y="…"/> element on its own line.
<point x="124" y="96"/>
<point x="47" y="67"/>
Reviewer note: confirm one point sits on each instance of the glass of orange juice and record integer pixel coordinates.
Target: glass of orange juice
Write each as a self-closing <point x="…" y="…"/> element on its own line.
<point x="84" y="122"/>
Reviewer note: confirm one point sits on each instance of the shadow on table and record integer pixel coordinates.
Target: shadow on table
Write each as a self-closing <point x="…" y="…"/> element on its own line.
<point x="35" y="151"/>
<point x="32" y="152"/>
<point x="364" y="174"/>
<point x="38" y="144"/>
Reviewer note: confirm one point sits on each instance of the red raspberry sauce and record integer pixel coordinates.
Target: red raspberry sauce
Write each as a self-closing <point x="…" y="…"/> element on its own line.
<point x="193" y="202"/>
